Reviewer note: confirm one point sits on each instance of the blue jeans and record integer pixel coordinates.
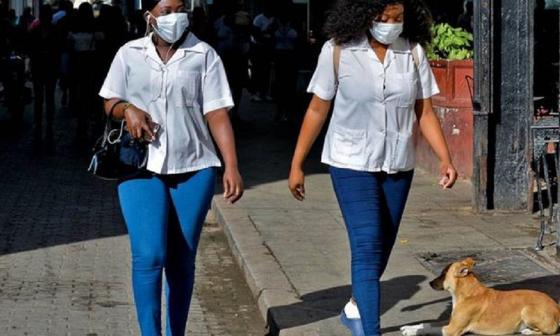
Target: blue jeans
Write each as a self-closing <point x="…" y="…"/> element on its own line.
<point x="372" y="205"/>
<point x="164" y="215"/>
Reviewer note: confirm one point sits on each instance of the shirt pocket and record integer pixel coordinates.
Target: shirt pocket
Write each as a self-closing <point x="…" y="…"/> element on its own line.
<point x="408" y="81"/>
<point x="348" y="146"/>
<point x="187" y="88"/>
<point x="400" y="149"/>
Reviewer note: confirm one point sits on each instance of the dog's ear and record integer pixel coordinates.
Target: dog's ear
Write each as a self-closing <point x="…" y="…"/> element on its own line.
<point x="463" y="272"/>
<point x="469" y="262"/>
<point x="466" y="268"/>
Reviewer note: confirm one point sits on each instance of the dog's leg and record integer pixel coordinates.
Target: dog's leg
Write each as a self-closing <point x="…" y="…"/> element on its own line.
<point x="538" y="322"/>
<point x="422" y="329"/>
<point x="456" y="327"/>
<point x="452" y="331"/>
<point x="459" y="323"/>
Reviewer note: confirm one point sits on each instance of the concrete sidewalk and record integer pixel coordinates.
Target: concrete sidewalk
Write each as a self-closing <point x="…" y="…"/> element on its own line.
<point x="295" y="256"/>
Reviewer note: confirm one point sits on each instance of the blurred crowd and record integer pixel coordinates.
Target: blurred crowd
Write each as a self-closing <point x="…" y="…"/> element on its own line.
<point x="65" y="53"/>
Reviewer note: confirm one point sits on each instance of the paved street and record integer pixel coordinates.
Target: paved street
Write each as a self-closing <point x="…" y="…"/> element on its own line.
<point x="64" y="253"/>
<point x="296" y="258"/>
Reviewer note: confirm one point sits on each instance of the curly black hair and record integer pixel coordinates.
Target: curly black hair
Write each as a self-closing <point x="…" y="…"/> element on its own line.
<point x="349" y="20"/>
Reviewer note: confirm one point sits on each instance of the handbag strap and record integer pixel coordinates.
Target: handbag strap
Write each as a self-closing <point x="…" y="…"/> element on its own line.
<point x="120" y="131"/>
<point x="108" y="130"/>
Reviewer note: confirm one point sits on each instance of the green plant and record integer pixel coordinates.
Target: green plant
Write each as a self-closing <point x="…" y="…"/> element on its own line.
<point x="450" y="43"/>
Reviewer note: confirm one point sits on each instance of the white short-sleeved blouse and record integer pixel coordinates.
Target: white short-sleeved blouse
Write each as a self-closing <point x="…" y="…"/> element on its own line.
<point x="177" y="95"/>
<point x="373" y="118"/>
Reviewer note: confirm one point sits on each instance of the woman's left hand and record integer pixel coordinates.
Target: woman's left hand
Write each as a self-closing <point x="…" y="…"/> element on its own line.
<point x="448" y="175"/>
<point x="233" y="185"/>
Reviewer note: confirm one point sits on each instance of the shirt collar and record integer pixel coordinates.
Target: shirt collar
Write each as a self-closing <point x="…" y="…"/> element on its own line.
<point x="191" y="43"/>
<point x="359" y="44"/>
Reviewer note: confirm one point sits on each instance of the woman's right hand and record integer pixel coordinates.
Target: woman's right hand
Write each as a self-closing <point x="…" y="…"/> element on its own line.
<point x="138" y="122"/>
<point x="296" y="183"/>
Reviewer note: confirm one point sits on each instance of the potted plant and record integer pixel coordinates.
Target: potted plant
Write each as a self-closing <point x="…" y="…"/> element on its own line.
<point x="450" y="55"/>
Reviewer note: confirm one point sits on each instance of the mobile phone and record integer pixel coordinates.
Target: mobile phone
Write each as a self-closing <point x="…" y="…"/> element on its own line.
<point x="155" y="129"/>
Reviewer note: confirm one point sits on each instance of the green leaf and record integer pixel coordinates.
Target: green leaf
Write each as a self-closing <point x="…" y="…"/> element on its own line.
<point x="450" y="43"/>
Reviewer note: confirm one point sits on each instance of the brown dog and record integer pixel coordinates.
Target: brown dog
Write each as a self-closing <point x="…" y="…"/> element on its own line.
<point x="481" y="310"/>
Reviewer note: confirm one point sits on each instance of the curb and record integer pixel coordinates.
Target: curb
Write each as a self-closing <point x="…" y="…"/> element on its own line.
<point x="264" y="276"/>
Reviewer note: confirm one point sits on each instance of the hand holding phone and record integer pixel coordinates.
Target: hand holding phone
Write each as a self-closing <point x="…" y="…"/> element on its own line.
<point x="155" y="127"/>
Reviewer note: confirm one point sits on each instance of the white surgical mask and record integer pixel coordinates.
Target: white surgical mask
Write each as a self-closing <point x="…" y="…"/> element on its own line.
<point x="171" y="27"/>
<point x="386" y="33"/>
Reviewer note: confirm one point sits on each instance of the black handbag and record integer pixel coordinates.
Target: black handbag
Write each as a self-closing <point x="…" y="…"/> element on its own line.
<point x="117" y="155"/>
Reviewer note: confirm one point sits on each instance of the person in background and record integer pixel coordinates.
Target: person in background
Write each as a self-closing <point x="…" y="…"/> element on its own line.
<point x="286" y="63"/>
<point x="84" y="39"/>
<point x="12" y="17"/>
<point x="261" y="52"/>
<point x="224" y="30"/>
<point x="44" y="49"/>
<point x="63" y="24"/>
<point x="233" y="32"/>
<point x="112" y="24"/>
<point x="137" y="25"/>
<point x="383" y="85"/>
<point x="4" y="45"/>
<point x="26" y="19"/>
<point x="201" y="27"/>
<point x="12" y="71"/>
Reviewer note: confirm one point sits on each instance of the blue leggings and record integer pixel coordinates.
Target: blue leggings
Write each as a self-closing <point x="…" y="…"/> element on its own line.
<point x="372" y="205"/>
<point x="164" y="215"/>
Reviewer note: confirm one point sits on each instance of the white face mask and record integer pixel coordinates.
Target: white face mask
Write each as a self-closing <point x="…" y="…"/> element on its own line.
<point x="386" y="33"/>
<point x="171" y="27"/>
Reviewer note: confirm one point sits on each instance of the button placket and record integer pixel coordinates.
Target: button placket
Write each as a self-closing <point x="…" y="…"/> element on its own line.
<point x="163" y="106"/>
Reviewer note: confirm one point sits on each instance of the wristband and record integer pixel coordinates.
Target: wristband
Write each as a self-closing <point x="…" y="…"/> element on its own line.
<point x="114" y="106"/>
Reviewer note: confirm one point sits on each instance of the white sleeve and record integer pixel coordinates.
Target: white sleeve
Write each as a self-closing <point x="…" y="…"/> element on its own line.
<point x="115" y="83"/>
<point x="427" y="85"/>
<point x="323" y="83"/>
<point x="215" y="92"/>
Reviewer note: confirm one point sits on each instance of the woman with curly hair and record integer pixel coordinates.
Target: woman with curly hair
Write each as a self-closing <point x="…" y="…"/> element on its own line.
<point x="376" y="67"/>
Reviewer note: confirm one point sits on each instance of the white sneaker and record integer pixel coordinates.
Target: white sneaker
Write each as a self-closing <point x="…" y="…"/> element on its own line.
<point x="350" y="318"/>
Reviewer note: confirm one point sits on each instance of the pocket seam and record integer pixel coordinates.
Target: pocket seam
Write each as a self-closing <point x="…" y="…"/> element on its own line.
<point x="356" y="139"/>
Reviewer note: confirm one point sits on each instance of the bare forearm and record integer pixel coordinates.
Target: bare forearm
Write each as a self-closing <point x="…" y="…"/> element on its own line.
<point x="117" y="112"/>
<point x="313" y="122"/>
<point x="222" y="132"/>
<point x="432" y="132"/>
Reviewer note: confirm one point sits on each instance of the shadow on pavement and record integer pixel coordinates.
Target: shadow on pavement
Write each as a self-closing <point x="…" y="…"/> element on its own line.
<point x="329" y="302"/>
<point x="48" y="198"/>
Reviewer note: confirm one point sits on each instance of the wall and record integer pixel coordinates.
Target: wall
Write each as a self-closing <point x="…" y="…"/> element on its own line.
<point x="453" y="107"/>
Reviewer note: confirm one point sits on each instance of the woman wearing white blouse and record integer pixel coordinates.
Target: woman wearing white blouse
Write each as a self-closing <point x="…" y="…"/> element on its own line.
<point x="172" y="79"/>
<point x="377" y="69"/>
